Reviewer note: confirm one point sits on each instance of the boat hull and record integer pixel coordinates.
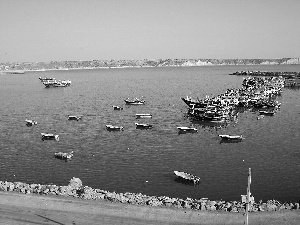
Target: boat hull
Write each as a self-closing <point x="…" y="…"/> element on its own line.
<point x="114" y="128"/>
<point x="134" y="102"/>
<point x="50" y="136"/>
<point x="187" y="176"/>
<point x="140" y="116"/>
<point x="143" y="126"/>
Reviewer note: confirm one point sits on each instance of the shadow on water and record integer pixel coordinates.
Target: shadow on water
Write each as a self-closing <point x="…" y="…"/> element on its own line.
<point x="187" y="132"/>
<point x="230" y="141"/>
<point x="208" y="124"/>
<point x="185" y="182"/>
<point x="144" y="128"/>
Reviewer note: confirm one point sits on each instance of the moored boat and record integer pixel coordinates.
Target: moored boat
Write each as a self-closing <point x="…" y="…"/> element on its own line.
<point x="231" y="137"/>
<point x="114" y="128"/>
<point x="143" y="126"/>
<point x="192" y="103"/>
<point x="135" y="101"/>
<point x="74" y="117"/>
<point x="143" y="115"/>
<point x="46" y="136"/>
<point x="187" y="129"/>
<point x="63" y="155"/>
<point x="115" y="107"/>
<point x="29" y="123"/>
<point x="187" y="176"/>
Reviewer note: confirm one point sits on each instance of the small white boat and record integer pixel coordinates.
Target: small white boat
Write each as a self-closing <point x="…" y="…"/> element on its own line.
<point x="143" y="115"/>
<point x="50" y="136"/>
<point x="29" y="123"/>
<point x="231" y="137"/>
<point x="74" y="117"/>
<point x="187" y="176"/>
<point x="143" y="126"/>
<point x="63" y="155"/>
<point x="114" y="128"/>
<point x="115" y="107"/>
<point x="187" y="129"/>
<point x="135" y="101"/>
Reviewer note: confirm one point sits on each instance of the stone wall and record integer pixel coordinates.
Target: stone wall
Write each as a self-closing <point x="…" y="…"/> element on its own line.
<point x="77" y="190"/>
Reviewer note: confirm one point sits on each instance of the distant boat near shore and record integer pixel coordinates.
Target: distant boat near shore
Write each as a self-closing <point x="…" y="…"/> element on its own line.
<point x="13" y="72"/>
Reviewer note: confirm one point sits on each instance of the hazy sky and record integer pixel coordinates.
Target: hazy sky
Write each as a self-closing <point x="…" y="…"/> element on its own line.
<point x="45" y="30"/>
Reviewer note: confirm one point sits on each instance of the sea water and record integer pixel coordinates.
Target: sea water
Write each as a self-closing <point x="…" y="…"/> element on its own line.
<point x="143" y="161"/>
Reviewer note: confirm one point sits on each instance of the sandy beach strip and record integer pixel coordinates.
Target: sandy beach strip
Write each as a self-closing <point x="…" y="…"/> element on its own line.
<point x="16" y="208"/>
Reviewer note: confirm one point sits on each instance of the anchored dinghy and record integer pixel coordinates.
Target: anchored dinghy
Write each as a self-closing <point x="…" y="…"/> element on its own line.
<point x="63" y="155"/>
<point x="50" y="136"/>
<point x="29" y="123"/>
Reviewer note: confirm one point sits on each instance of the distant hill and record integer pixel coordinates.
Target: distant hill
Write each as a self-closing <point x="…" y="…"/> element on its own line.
<point x="94" y="64"/>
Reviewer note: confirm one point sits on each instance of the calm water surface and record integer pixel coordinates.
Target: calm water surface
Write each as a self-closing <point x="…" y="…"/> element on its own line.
<point x="124" y="161"/>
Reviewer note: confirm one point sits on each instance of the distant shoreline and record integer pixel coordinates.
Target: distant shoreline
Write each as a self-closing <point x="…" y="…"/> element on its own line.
<point x="106" y="68"/>
<point x="145" y="63"/>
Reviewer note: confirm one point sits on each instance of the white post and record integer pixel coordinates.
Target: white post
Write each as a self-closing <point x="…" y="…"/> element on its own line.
<point x="248" y="196"/>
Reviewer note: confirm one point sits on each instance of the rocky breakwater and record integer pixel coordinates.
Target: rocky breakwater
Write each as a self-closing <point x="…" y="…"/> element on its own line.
<point x="266" y="73"/>
<point x="76" y="189"/>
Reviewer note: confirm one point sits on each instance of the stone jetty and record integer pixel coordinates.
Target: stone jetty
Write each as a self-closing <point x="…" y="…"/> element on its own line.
<point x="76" y="189"/>
<point x="266" y="73"/>
<point x="291" y="79"/>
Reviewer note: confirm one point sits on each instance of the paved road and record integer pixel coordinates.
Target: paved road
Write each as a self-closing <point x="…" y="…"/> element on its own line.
<point x="19" y="209"/>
